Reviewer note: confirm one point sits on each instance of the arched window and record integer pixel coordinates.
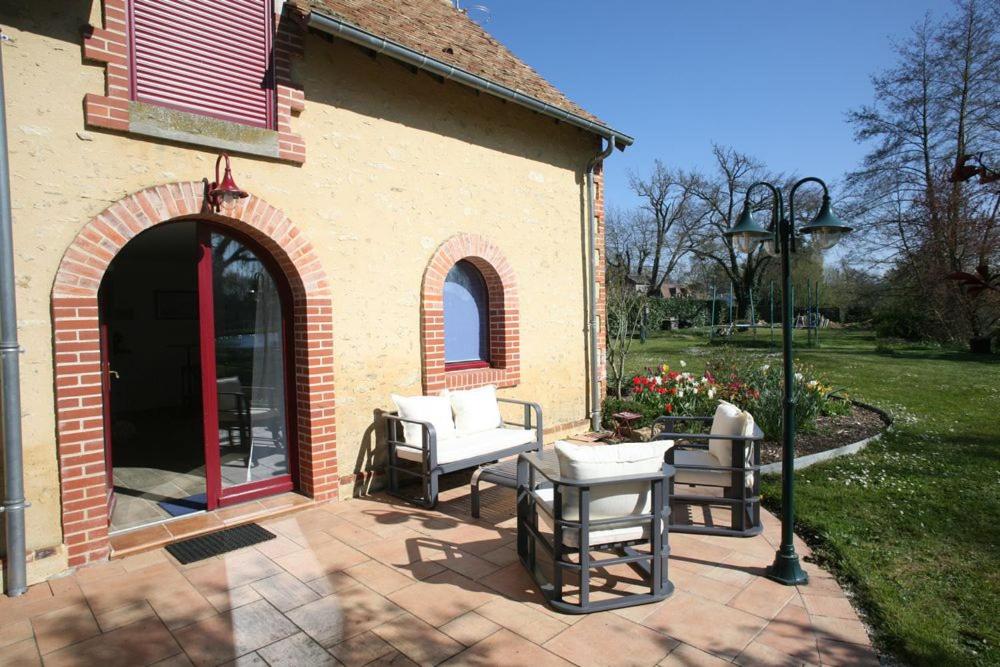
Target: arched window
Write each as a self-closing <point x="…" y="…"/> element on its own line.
<point x="466" y="317"/>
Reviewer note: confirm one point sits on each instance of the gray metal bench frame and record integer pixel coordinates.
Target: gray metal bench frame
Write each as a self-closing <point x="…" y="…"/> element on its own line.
<point x="652" y="567"/>
<point x="429" y="469"/>
<point x="744" y="502"/>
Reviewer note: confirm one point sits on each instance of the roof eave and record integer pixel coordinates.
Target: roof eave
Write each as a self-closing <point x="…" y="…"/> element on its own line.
<point x="340" y="28"/>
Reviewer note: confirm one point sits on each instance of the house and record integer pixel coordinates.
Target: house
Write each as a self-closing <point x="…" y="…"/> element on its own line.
<point x="237" y="232"/>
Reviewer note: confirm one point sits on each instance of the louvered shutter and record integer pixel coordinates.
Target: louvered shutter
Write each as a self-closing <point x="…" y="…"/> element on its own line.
<point x="211" y="57"/>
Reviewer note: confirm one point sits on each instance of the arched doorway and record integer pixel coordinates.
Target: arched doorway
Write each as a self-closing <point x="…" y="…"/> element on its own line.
<point x="196" y="358"/>
<point x="79" y="395"/>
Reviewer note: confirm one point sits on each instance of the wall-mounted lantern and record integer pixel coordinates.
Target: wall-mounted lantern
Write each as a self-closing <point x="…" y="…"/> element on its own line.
<point x="223" y="194"/>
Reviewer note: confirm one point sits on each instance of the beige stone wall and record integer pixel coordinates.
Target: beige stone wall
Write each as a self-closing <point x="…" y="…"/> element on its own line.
<point x="397" y="163"/>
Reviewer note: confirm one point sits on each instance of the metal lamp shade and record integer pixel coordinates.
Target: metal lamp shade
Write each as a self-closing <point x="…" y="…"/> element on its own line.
<point x="746" y="232"/>
<point x="826" y="229"/>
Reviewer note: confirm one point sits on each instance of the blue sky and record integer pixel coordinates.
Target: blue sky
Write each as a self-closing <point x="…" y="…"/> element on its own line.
<point x="772" y="78"/>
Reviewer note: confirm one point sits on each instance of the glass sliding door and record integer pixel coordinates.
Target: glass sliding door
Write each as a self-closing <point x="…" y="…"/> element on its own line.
<point x="245" y="371"/>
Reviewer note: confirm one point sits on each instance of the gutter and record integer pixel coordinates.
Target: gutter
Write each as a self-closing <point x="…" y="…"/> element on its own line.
<point x="351" y="33"/>
<point x="594" y="324"/>
<point x="10" y="384"/>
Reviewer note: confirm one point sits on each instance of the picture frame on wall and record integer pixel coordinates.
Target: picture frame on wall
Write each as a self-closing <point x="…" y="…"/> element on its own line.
<point x="176" y="304"/>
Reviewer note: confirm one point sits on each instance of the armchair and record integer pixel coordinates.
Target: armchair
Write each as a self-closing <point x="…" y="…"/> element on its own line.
<point x="728" y="457"/>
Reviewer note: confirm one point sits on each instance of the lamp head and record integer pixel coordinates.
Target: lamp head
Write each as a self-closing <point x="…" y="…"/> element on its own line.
<point x="826" y="229"/>
<point x="746" y="233"/>
<point x="225" y="193"/>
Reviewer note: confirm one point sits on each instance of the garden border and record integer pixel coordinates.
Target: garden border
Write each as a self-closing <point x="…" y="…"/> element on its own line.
<point x="819" y="457"/>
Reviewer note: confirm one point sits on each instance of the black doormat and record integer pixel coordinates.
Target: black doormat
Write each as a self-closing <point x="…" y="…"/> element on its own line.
<point x="213" y="544"/>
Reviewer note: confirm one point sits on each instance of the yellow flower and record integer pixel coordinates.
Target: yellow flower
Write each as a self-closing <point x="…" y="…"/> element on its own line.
<point x="665" y="368"/>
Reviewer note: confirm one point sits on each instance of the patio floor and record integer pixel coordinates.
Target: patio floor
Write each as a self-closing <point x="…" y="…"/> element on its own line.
<point x="375" y="581"/>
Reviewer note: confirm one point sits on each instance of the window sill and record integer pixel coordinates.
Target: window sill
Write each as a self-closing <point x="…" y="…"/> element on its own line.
<point x="182" y="126"/>
<point x="465" y="365"/>
<point x="480" y="377"/>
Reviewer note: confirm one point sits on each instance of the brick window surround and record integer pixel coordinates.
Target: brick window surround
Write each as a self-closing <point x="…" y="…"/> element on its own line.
<point x="79" y="402"/>
<point x="117" y="110"/>
<point x="504" y="323"/>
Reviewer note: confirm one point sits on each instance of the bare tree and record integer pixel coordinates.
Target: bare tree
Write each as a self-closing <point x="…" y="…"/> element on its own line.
<point x="625" y="308"/>
<point x="669" y="220"/>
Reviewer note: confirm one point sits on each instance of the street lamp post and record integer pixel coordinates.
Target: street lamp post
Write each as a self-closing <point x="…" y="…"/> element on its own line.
<point x="826" y="229"/>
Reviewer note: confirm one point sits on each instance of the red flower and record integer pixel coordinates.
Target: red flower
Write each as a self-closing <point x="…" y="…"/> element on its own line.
<point x="668" y="408"/>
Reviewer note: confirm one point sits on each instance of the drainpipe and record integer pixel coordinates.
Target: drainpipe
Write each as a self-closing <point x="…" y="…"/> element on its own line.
<point x="10" y="385"/>
<point x="594" y="326"/>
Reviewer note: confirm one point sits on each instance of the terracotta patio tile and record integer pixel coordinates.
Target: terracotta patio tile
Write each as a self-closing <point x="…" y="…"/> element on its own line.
<point x="522" y="619"/>
<point x="441" y="598"/>
<point x="763" y="597"/>
<point x="36" y="601"/>
<point x="513" y="582"/>
<point x="180" y="606"/>
<point x="139" y="643"/>
<point x="350" y="533"/>
<point x="232" y="598"/>
<point x="821" y="585"/>
<point x="340" y="616"/>
<point x="840" y="630"/>
<point x="131" y="613"/>
<point x="757" y="654"/>
<point x="469" y="628"/>
<point x="279" y="546"/>
<point x="232" y="570"/>
<point x="315" y="562"/>
<point x="231" y="634"/>
<point x="361" y="649"/>
<point x="686" y="655"/>
<point x="837" y="653"/>
<point x="179" y="660"/>
<point x="826" y="605"/>
<point x="704" y="587"/>
<point x="144" y="559"/>
<point x="22" y="654"/>
<point x="686" y="617"/>
<point x="404" y="552"/>
<point x="284" y="591"/>
<point x="248" y="660"/>
<point x="63" y="627"/>
<point x="386" y="521"/>
<point x="132" y="587"/>
<point x="295" y="529"/>
<point x="296" y="651"/>
<point x="88" y="573"/>
<point x="503" y="556"/>
<point x="332" y="583"/>
<point x="506" y="648"/>
<point x="378" y="576"/>
<point x="15" y="631"/>
<point x="791" y="633"/>
<point x="607" y="639"/>
<point x="394" y="659"/>
<point x="140" y="540"/>
<point x="417" y="640"/>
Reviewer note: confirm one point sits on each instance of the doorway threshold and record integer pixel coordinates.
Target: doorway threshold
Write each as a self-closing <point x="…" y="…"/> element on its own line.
<point x="153" y="536"/>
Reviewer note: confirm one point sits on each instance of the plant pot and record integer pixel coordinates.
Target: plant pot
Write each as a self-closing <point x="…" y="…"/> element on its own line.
<point x="981" y="345"/>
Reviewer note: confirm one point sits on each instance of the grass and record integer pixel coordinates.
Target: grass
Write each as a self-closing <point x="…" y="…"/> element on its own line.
<point x="911" y="524"/>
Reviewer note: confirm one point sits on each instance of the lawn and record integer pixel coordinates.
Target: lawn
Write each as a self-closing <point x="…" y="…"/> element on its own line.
<point x="910" y="525"/>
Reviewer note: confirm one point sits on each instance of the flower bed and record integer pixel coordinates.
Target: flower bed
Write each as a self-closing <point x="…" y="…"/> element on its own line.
<point x="754" y="387"/>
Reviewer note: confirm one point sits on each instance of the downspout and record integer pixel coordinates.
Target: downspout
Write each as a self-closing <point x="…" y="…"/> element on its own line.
<point x="594" y="326"/>
<point x="10" y="386"/>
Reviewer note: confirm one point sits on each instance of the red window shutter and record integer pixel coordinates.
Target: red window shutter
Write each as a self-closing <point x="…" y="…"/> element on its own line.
<point x="211" y="58"/>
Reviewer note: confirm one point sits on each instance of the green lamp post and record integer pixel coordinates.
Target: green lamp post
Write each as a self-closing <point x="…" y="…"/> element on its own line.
<point x="778" y="239"/>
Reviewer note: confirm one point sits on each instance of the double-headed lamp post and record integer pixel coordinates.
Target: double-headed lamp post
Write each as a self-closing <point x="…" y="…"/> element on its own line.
<point x="778" y="239"/>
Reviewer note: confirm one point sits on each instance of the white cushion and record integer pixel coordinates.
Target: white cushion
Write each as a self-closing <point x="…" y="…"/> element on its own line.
<point x="699" y="457"/>
<point x="476" y="410"/>
<point x="730" y="420"/>
<point x="604" y="535"/>
<point x="582" y="462"/>
<point x="475" y="445"/>
<point x="433" y="409"/>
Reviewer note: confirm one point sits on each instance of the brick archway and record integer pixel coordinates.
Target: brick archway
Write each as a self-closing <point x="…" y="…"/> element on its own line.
<point x="501" y="285"/>
<point x="79" y="402"/>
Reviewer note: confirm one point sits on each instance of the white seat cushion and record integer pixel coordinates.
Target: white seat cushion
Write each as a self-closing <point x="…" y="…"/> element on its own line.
<point x="476" y="410"/>
<point x="730" y="420"/>
<point x="475" y="445"/>
<point x="606" y="535"/>
<point x="433" y="409"/>
<point x="700" y="457"/>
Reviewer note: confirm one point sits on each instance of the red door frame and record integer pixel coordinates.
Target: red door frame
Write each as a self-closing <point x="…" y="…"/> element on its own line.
<point x="216" y="495"/>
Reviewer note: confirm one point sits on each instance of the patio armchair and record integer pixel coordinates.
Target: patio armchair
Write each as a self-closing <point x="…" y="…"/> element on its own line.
<point x="727" y="457"/>
<point x="454" y="431"/>
<point x="582" y="509"/>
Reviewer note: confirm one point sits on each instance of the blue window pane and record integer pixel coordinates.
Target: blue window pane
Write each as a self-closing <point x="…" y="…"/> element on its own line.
<point x="466" y="315"/>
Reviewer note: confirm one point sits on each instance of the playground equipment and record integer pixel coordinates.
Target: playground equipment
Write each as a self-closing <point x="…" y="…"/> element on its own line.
<point x="807" y="316"/>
